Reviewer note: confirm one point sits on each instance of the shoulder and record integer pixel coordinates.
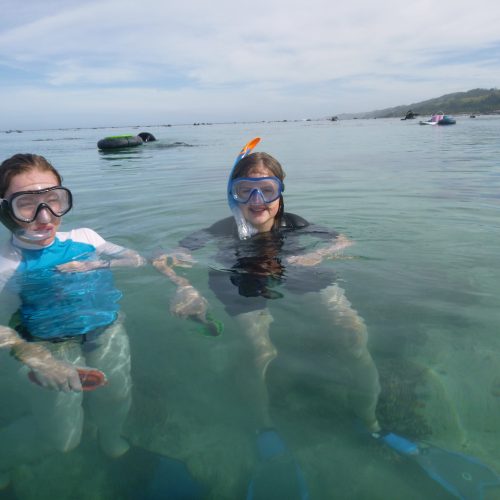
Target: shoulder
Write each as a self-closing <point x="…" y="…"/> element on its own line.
<point x="10" y="258"/>
<point x="86" y="236"/>
<point x="200" y="238"/>
<point x="223" y="226"/>
<point x="82" y="235"/>
<point x="293" y="221"/>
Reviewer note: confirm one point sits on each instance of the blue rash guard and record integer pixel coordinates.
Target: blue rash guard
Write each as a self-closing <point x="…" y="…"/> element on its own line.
<point x="52" y="304"/>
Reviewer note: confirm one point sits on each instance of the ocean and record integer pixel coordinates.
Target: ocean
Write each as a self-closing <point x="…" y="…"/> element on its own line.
<point x="422" y="205"/>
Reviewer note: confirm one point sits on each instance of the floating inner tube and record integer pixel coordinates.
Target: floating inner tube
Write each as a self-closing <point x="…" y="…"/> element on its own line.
<point x="120" y="141"/>
<point x="147" y="137"/>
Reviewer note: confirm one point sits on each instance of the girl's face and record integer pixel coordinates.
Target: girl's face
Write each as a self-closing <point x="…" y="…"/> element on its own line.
<point x="34" y="180"/>
<point x="262" y="215"/>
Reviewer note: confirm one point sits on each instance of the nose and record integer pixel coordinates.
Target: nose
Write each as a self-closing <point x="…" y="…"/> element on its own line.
<point x="44" y="215"/>
<point x="256" y="197"/>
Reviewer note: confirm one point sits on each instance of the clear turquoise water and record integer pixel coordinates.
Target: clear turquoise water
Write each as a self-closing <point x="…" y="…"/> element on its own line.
<point x="422" y="203"/>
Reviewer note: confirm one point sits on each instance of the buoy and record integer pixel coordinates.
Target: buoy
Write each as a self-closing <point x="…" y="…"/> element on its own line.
<point x="120" y="141"/>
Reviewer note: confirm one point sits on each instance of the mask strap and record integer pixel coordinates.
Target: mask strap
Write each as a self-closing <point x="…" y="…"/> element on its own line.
<point x="5" y="217"/>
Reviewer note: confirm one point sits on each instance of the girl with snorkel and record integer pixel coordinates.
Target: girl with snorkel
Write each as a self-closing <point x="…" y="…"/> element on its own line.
<point x="261" y="258"/>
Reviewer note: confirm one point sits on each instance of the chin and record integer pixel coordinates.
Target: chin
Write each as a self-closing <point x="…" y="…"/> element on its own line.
<point x="46" y="241"/>
<point x="258" y="221"/>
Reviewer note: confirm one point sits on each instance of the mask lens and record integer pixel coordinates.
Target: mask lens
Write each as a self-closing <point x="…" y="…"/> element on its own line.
<point x="26" y="205"/>
<point x="246" y="188"/>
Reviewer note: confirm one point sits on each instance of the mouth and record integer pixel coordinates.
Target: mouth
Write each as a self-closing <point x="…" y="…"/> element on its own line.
<point x="42" y="230"/>
<point x="257" y="208"/>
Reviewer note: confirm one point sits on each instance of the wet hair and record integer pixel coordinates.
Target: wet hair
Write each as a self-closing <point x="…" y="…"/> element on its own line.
<point x="254" y="160"/>
<point x="21" y="163"/>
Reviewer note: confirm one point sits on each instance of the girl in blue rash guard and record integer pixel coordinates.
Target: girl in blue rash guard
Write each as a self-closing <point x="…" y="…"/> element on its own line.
<point x="267" y="258"/>
<point x="61" y="317"/>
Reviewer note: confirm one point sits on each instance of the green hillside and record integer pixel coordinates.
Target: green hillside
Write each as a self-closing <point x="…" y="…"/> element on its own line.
<point x="477" y="101"/>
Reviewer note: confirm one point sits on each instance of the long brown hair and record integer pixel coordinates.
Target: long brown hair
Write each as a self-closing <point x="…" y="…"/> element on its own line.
<point x="253" y="160"/>
<point x="21" y="163"/>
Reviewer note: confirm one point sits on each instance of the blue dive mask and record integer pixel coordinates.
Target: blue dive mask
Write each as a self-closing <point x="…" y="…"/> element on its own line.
<point x="256" y="190"/>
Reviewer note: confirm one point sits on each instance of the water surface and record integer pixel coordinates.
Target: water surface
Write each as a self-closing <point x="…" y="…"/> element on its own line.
<point x="422" y="204"/>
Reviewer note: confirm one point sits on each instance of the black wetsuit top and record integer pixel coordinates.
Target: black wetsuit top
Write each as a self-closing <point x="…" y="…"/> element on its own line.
<point x="253" y="270"/>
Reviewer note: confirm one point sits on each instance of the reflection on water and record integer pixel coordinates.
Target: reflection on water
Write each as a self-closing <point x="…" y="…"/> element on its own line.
<point x="58" y="139"/>
<point x="422" y="205"/>
<point x="123" y="158"/>
<point x="126" y="158"/>
<point x="177" y="144"/>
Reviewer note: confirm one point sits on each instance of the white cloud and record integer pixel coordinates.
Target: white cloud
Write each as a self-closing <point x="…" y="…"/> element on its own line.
<point x="69" y="72"/>
<point x="282" y="54"/>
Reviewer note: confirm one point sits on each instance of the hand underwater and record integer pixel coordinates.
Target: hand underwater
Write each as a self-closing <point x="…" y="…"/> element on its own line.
<point x="58" y="377"/>
<point x="314" y="258"/>
<point x="82" y="266"/>
<point x="340" y="243"/>
<point x="309" y="259"/>
<point x="49" y="371"/>
<point x="178" y="258"/>
<point x="188" y="302"/>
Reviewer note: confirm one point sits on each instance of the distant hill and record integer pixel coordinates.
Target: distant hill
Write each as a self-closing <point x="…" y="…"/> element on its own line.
<point x="477" y="101"/>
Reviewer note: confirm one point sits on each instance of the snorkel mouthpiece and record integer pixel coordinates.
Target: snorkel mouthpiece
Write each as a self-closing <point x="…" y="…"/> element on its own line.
<point x="27" y="234"/>
<point x="245" y="229"/>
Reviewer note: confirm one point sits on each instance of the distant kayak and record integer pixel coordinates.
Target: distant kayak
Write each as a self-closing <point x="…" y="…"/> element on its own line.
<point x="439" y="119"/>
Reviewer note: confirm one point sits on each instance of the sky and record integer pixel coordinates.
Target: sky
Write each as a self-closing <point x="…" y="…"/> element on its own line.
<point x="65" y="63"/>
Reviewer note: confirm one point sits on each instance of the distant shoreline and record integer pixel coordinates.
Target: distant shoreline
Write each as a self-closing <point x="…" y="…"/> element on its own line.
<point x="340" y="117"/>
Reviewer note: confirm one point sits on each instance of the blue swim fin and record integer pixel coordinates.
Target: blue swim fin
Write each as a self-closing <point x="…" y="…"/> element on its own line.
<point x="146" y="475"/>
<point x="277" y="476"/>
<point x="463" y="476"/>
